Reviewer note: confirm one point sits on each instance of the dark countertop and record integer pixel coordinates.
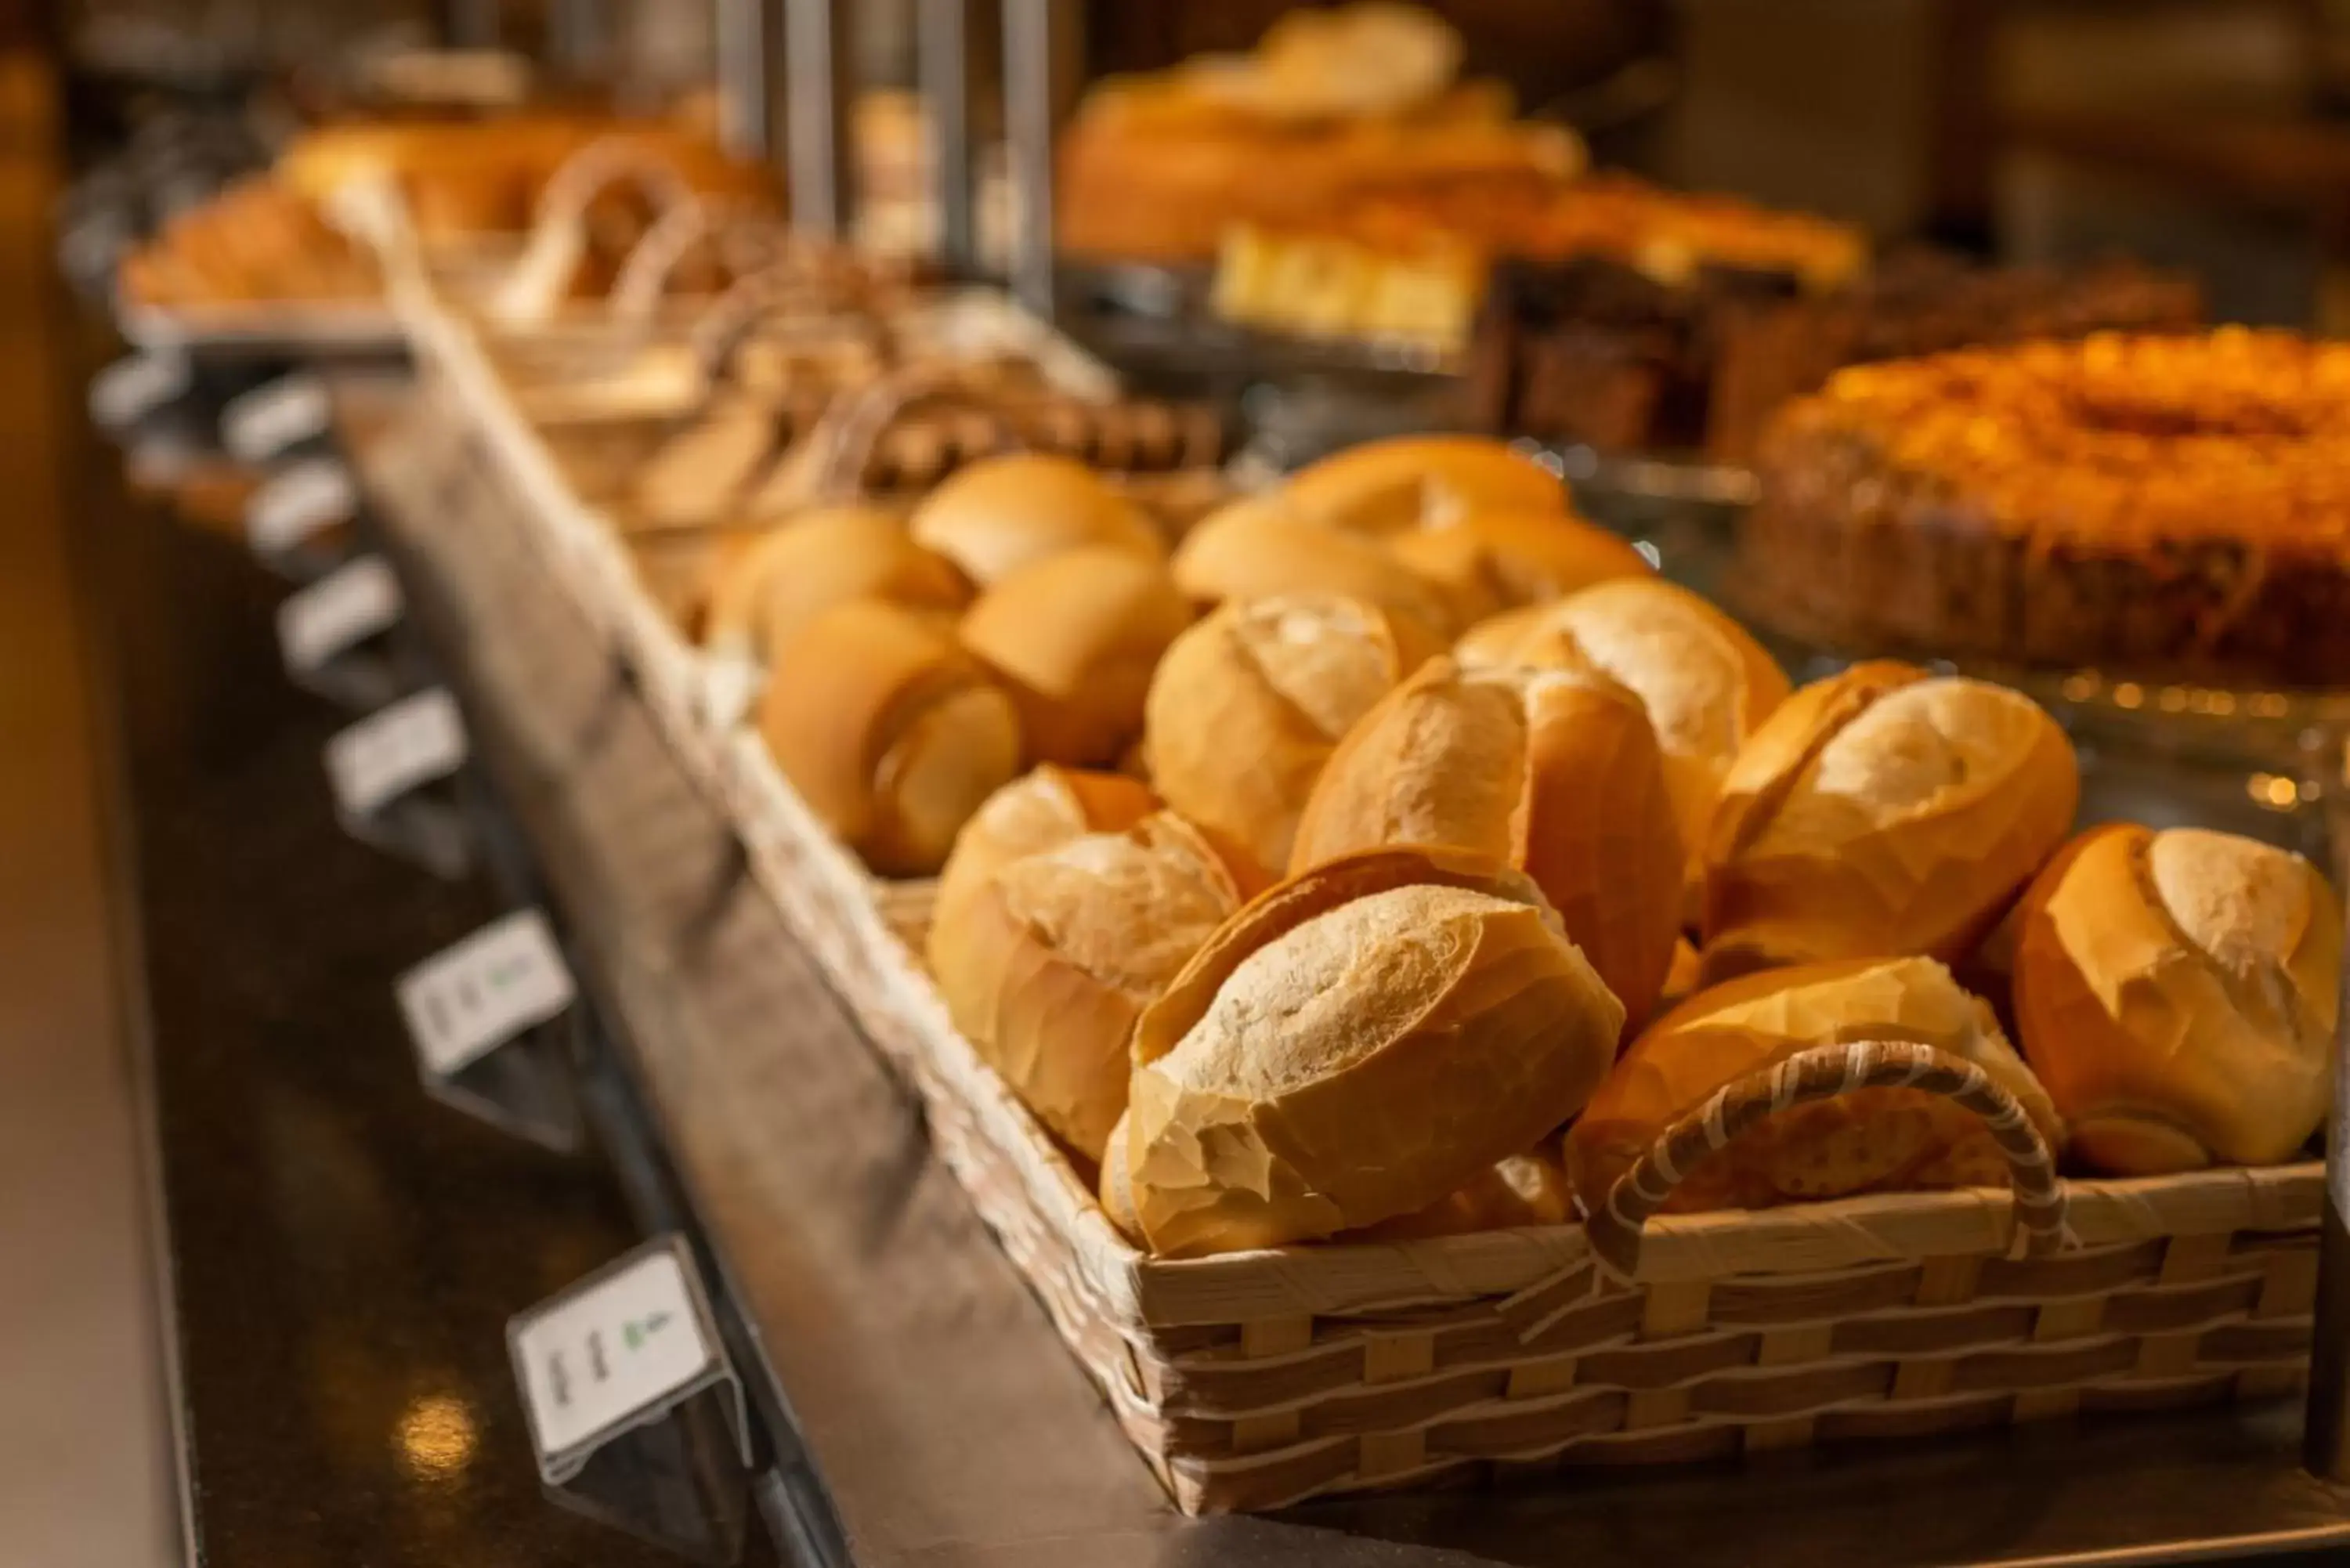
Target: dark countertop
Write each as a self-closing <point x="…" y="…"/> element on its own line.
<point x="343" y="1253"/>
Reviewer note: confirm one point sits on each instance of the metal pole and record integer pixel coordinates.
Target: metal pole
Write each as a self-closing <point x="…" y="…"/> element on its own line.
<point x="819" y="45"/>
<point x="2326" y="1432"/>
<point x="474" y="24"/>
<point x="942" y="58"/>
<point x="575" y="38"/>
<point x="1042" y="43"/>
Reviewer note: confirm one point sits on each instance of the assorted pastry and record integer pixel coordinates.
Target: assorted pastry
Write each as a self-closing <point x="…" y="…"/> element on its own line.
<point x="2168" y="505"/>
<point x="1331" y="106"/>
<point x="1305" y="883"/>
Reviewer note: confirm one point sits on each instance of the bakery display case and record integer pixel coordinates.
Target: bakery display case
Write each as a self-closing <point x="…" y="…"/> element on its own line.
<point x="1547" y="935"/>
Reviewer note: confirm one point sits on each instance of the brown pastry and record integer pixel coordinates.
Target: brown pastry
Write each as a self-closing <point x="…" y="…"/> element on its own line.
<point x="892" y="733"/>
<point x="1883" y="811"/>
<point x="1432" y="1019"/>
<point x="1553" y="772"/>
<point x="1075" y="636"/>
<point x="1005" y="512"/>
<point x="1873" y="1140"/>
<point x="2178" y="993"/>
<point x="1054" y="955"/>
<point x="1247" y="704"/>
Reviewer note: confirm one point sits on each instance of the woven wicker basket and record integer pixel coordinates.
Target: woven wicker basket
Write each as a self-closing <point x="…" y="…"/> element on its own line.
<point x="1254" y="1380"/>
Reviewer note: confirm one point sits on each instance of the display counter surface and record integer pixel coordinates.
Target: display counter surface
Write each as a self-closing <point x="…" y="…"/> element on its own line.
<point x="345" y="1251"/>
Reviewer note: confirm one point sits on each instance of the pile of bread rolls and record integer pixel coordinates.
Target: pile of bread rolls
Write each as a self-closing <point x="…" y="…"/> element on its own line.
<point x="1395" y="853"/>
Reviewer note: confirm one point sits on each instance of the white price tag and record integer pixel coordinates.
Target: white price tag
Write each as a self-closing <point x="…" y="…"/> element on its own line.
<point x="130" y="389"/>
<point x="307" y="497"/>
<point x="415" y="741"/>
<point x="345" y="607"/>
<point x="470" y="999"/>
<point x="610" y="1352"/>
<point x="265" y="421"/>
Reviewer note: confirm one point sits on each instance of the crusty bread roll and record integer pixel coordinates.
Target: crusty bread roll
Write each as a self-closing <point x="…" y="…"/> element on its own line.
<point x="1883" y="811"/>
<point x="1113" y="1186"/>
<point x="1417" y="482"/>
<point x="1553" y="772"/>
<point x="1252" y="550"/>
<point x="1873" y="1140"/>
<point x="1073" y="636"/>
<point x="1056" y="953"/>
<point x="1488" y="562"/>
<point x="1355" y="1044"/>
<point x="1042" y="809"/>
<point x="1247" y="704"/>
<point x="1005" y="512"/>
<point x="795" y="572"/>
<point x="2178" y="993"/>
<point x="1524" y="1189"/>
<point x="890" y="731"/>
<point x="1707" y="683"/>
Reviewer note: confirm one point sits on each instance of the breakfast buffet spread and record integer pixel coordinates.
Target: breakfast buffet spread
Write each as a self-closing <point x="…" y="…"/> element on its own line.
<point x="1410" y="984"/>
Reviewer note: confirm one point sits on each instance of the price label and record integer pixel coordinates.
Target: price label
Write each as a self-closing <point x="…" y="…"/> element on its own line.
<point x="265" y="421"/>
<point x="130" y="389"/>
<point x="346" y="607"/>
<point x="307" y="497"/>
<point x="415" y="741"/>
<point x="616" y="1350"/>
<point x="467" y="1000"/>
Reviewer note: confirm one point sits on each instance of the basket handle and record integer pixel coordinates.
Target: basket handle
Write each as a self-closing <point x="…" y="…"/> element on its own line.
<point x="1824" y="1073"/>
<point x="637" y="286"/>
<point x="842" y="442"/>
<point x="558" y="232"/>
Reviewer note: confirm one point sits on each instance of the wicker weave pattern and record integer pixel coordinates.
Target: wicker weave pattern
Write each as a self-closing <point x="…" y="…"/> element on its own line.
<point x="1255" y="1380"/>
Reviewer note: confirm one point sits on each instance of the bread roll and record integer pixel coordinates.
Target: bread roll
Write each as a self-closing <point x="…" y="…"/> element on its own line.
<point x="1042" y="809"/>
<point x="1707" y="683"/>
<point x="1115" y="1187"/>
<point x="1487" y="562"/>
<point x="1883" y="811"/>
<point x="1251" y="550"/>
<point x="1553" y="772"/>
<point x="1074" y="636"/>
<point x="1416" y="481"/>
<point x="2178" y="993"/>
<point x="1056" y="953"/>
<point x="1357" y="1043"/>
<point x="1005" y="512"/>
<point x="815" y="561"/>
<point x="1524" y="1189"/>
<point x="1247" y="704"/>
<point x="890" y="731"/>
<point x="1872" y="1140"/>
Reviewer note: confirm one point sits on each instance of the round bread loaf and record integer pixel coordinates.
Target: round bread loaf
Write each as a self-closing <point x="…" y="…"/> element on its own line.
<point x="1418" y="482"/>
<point x="1054" y="955"/>
<point x="1488" y="562"/>
<point x="1246" y="706"/>
<point x="1002" y="512"/>
<point x="1883" y="811"/>
<point x="1524" y="1189"/>
<point x="889" y="731"/>
<point x="1553" y="772"/>
<point x="1252" y="550"/>
<point x="1042" y="809"/>
<point x="1355" y="1044"/>
<point x="1075" y="636"/>
<point x="808" y="565"/>
<point x="2178" y="993"/>
<point x="1706" y="684"/>
<point x="1872" y="1140"/>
